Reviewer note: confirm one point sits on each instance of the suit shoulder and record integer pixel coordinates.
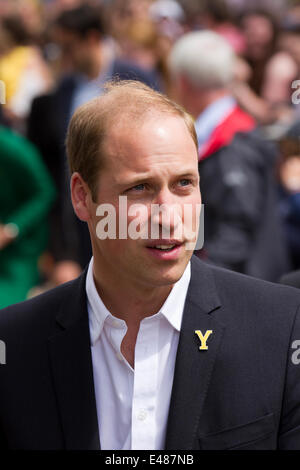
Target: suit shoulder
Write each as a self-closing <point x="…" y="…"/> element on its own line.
<point x="242" y="293"/>
<point x="42" y="308"/>
<point x="256" y="291"/>
<point x="291" y="279"/>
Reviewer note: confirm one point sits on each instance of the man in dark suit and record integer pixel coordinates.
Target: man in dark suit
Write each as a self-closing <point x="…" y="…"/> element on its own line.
<point x="242" y="232"/>
<point x="150" y="348"/>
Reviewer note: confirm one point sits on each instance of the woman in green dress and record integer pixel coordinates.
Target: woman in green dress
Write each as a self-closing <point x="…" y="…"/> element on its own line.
<point x="26" y="196"/>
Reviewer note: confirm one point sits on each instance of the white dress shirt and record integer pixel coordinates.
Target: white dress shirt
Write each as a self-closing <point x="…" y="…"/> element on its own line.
<point x="133" y="404"/>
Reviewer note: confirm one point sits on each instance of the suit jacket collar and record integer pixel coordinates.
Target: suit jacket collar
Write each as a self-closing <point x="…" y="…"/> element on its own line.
<point x="202" y="289"/>
<point x="74" y="302"/>
<point x="72" y="370"/>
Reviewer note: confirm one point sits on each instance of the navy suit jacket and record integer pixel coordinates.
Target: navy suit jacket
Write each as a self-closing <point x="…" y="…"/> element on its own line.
<point x="243" y="392"/>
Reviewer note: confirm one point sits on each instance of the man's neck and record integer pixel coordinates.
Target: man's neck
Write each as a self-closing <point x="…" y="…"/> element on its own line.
<point x="131" y="303"/>
<point x="205" y="99"/>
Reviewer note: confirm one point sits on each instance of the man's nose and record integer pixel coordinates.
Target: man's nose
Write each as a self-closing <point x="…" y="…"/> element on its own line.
<point x="166" y="211"/>
<point x="165" y="196"/>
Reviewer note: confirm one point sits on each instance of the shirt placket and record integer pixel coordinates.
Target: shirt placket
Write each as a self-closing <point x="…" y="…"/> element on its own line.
<point x="143" y="426"/>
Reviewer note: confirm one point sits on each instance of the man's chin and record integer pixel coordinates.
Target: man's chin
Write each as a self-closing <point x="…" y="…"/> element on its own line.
<point x="166" y="276"/>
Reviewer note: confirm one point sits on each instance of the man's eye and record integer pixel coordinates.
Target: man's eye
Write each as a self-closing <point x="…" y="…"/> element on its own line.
<point x="185" y="182"/>
<point x="138" y="187"/>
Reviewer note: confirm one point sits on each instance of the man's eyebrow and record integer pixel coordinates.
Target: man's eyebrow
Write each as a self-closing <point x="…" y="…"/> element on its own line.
<point x="134" y="180"/>
<point x="142" y="178"/>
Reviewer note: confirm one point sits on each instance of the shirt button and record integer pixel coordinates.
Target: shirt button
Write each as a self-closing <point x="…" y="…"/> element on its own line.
<point x="142" y="415"/>
<point x="116" y="323"/>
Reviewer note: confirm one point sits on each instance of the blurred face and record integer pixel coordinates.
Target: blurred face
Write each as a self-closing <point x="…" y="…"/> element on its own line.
<point x="154" y="163"/>
<point x="75" y="49"/>
<point x="259" y="33"/>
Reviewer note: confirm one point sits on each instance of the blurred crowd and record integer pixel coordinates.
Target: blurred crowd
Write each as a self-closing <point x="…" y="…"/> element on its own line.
<point x="233" y="64"/>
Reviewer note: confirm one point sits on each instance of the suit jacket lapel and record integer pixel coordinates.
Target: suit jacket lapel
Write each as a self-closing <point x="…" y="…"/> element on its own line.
<point x="193" y="367"/>
<point x="71" y="364"/>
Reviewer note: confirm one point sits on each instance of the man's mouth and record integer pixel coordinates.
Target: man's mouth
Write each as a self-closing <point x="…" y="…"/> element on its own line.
<point x="165" y="249"/>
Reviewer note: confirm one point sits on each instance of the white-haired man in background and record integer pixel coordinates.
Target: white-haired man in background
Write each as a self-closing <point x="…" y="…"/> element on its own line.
<point x="242" y="231"/>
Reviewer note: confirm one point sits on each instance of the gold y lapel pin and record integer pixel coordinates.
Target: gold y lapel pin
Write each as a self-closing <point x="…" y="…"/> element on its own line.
<point x="203" y="338"/>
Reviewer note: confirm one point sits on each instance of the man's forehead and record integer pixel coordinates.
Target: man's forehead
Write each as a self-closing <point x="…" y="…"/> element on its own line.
<point x="131" y="131"/>
<point x="125" y="163"/>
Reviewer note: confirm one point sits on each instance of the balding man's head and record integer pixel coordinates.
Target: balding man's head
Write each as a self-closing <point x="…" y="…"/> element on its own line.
<point x="205" y="58"/>
<point x="126" y="103"/>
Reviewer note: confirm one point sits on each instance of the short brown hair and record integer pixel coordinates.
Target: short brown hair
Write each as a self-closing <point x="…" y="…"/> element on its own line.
<point x="89" y="126"/>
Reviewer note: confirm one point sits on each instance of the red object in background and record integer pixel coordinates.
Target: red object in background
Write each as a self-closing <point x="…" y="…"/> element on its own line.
<point x="234" y="36"/>
<point x="236" y="121"/>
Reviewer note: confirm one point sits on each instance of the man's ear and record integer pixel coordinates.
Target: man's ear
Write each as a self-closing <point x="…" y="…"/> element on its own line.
<point x="81" y="197"/>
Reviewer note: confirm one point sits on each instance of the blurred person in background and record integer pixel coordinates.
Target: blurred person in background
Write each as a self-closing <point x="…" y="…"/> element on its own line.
<point x="84" y="45"/>
<point x="26" y="195"/>
<point x="120" y="13"/>
<point x="265" y="89"/>
<point x="290" y="39"/>
<point x="148" y="41"/>
<point x="144" y="32"/>
<point x="169" y="20"/>
<point x="22" y="68"/>
<point x="139" y="45"/>
<point x="31" y="14"/>
<point x="290" y="43"/>
<point x="260" y="29"/>
<point x="216" y="15"/>
<point x="293" y="10"/>
<point x="54" y="7"/>
<point x="242" y="228"/>
<point x="289" y="190"/>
